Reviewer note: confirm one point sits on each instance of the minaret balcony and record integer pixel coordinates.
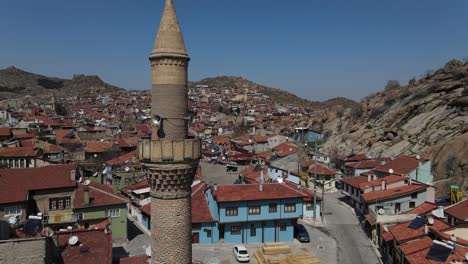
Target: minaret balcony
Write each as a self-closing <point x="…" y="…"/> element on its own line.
<point x="169" y="151"/>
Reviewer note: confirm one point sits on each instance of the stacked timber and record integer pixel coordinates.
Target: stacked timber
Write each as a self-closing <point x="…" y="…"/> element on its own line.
<point x="302" y="259"/>
<point x="260" y="257"/>
<point x="276" y="248"/>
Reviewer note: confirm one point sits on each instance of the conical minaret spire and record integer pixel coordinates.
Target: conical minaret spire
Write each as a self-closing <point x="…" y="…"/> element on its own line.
<point x="169" y="40"/>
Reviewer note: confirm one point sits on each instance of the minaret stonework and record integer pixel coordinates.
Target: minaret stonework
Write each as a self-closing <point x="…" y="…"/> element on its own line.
<point x="169" y="157"/>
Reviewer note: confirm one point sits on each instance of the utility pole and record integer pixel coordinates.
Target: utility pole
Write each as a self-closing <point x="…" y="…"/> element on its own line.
<point x="315" y="181"/>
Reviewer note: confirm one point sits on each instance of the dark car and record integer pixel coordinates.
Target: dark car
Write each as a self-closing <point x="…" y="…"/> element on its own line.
<point x="300" y="233"/>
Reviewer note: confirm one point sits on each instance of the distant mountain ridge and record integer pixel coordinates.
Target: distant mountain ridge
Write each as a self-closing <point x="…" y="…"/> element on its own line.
<point x="278" y="95"/>
<point x="15" y="82"/>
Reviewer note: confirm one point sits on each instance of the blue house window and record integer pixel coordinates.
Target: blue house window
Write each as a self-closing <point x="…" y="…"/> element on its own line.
<point x="290" y="208"/>
<point x="231" y="211"/>
<point x="272" y="208"/>
<point x="235" y="230"/>
<point x="282" y="226"/>
<point x="254" y="210"/>
<point x="253" y="230"/>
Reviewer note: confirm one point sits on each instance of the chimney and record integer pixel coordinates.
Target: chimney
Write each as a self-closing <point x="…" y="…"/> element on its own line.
<point x="384" y="185"/>
<point x="369" y="177"/>
<point x="262" y="177"/>
<point x="453" y="238"/>
<point x="215" y="187"/>
<point x="73" y="175"/>
<point x="374" y="177"/>
<point x="86" y="195"/>
<point x="426" y="229"/>
<point x="260" y="188"/>
<point x="410" y="181"/>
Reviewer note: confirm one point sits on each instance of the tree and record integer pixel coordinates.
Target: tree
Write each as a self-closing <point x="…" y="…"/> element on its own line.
<point x="60" y="109"/>
<point x="392" y="85"/>
<point x="220" y="109"/>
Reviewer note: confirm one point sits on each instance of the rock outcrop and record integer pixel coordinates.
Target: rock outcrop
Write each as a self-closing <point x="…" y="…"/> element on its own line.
<point x="428" y="117"/>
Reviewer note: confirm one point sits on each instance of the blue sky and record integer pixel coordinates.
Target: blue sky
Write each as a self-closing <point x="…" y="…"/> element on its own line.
<point x="315" y="49"/>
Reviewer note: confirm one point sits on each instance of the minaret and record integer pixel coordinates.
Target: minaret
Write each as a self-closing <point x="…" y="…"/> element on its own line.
<point x="170" y="158"/>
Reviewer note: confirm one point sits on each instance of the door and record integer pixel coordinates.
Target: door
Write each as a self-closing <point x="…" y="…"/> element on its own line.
<point x="195" y="238"/>
<point x="397" y="208"/>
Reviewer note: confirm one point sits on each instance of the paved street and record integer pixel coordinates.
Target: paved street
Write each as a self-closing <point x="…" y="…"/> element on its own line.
<point x="339" y="239"/>
<point x="341" y="224"/>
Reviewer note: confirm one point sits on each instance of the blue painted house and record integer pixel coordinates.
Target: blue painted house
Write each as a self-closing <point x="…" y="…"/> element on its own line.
<point x="256" y="213"/>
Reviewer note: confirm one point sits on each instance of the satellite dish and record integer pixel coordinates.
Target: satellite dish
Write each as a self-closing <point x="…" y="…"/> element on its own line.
<point x="69" y="228"/>
<point x="80" y="179"/>
<point x="418" y="157"/>
<point x="73" y="240"/>
<point x="390" y="170"/>
<point x="466" y="256"/>
<point x="148" y="251"/>
<point x="87" y="182"/>
<point x="95" y="155"/>
<point x="430" y="220"/>
<point x="95" y="174"/>
<point x="127" y="169"/>
<point x="381" y="211"/>
<point x="105" y="170"/>
<point x="13" y="220"/>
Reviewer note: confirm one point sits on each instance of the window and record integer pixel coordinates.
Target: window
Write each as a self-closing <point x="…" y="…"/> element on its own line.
<point x="60" y="203"/>
<point x="113" y="213"/>
<point x="412" y="204"/>
<point x="253" y="230"/>
<point x="254" y="210"/>
<point x="79" y="216"/>
<point x="290" y="208"/>
<point x="235" y="230"/>
<point x="414" y="195"/>
<point x="282" y="226"/>
<point x="272" y="208"/>
<point x="196" y="226"/>
<point x="231" y="211"/>
<point x="208" y="233"/>
<point x="12" y="210"/>
<point x="309" y="206"/>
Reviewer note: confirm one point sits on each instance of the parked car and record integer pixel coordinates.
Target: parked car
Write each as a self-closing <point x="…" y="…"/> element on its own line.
<point x="241" y="253"/>
<point x="301" y="234"/>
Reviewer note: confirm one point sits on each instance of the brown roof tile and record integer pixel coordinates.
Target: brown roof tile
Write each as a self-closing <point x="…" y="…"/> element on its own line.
<point x="98" y="243"/>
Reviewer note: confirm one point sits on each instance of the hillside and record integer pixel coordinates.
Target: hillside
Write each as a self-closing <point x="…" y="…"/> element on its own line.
<point x="279" y="96"/>
<point x="16" y="83"/>
<point x="428" y="117"/>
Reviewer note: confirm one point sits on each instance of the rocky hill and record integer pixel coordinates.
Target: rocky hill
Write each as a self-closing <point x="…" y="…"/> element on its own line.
<point x="16" y="83"/>
<point x="278" y="95"/>
<point x="428" y="117"/>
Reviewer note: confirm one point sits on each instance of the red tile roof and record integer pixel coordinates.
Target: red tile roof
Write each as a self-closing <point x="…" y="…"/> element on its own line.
<point x="378" y="182"/>
<point x="5" y="132"/>
<point x="254" y="175"/>
<point x="136" y="186"/>
<point x="99" y="194"/>
<point x="251" y="192"/>
<point x="98" y="147"/>
<point x="354" y="181"/>
<point x="200" y="210"/>
<point x="147" y="209"/>
<point x="98" y="243"/>
<point x="416" y="245"/>
<point x="366" y="164"/>
<point x="401" y="165"/>
<point x="122" y="159"/>
<point x="394" y="192"/>
<point x="354" y="157"/>
<point x="25" y="136"/>
<point x="321" y="170"/>
<point x="402" y="232"/>
<point x="135" y="260"/>
<point x="61" y="139"/>
<point x="424" y="208"/>
<point x="16" y="183"/>
<point x="128" y="142"/>
<point x="285" y="149"/>
<point x="459" y="210"/>
<point x="19" y="152"/>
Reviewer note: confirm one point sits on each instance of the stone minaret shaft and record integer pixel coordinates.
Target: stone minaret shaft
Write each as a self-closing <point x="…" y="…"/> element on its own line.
<point x="169" y="157"/>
